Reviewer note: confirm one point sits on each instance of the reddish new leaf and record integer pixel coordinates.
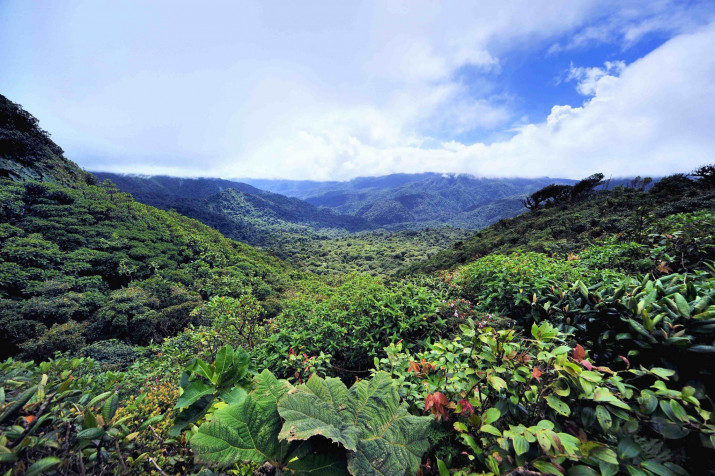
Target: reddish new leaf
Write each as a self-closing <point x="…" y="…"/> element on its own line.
<point x="628" y="363"/>
<point x="579" y="353"/>
<point x="536" y="373"/>
<point x="414" y="367"/>
<point x="437" y="403"/>
<point x="426" y="366"/>
<point x="466" y="406"/>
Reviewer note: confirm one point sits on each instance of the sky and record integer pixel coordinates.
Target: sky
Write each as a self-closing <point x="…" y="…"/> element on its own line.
<point x="334" y="90"/>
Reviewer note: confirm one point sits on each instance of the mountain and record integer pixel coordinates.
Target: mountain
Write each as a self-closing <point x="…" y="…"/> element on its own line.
<point x="416" y="200"/>
<point x="310" y="188"/>
<point x="28" y="153"/>
<point x="81" y="263"/>
<point x="211" y="194"/>
<point x="569" y="227"/>
<point x="240" y="211"/>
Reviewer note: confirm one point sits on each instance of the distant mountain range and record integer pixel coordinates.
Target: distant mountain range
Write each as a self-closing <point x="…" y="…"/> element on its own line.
<point x="238" y="210"/>
<point x="407" y="200"/>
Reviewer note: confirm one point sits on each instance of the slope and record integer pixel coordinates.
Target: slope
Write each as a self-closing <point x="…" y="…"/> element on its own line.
<point x="80" y="262"/>
<point x="28" y="153"/>
<point x="570" y="227"/>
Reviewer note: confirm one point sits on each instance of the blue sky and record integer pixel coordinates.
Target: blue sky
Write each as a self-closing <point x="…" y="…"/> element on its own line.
<point x="334" y="90"/>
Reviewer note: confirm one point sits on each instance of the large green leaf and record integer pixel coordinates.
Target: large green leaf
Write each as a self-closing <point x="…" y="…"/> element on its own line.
<point x="247" y="430"/>
<point x="368" y="420"/>
<point x="319" y="407"/>
<point x="194" y="392"/>
<point x="231" y="365"/>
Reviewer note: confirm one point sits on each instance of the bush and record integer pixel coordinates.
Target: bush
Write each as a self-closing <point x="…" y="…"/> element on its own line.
<point x="111" y="354"/>
<point x="353" y="322"/>
<point x="512" y="403"/>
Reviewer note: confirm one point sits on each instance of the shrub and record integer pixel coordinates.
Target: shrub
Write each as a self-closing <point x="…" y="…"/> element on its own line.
<point x="352" y="322"/>
<point x="535" y="404"/>
<point x="370" y="430"/>
<point x="112" y="354"/>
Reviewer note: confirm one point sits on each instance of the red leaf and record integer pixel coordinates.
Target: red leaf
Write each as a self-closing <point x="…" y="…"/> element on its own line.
<point x="437" y="403"/>
<point x="579" y="353"/>
<point x="414" y="367"/>
<point x="466" y="406"/>
<point x="426" y="366"/>
<point x="628" y="364"/>
<point x="536" y="373"/>
<point x="587" y="364"/>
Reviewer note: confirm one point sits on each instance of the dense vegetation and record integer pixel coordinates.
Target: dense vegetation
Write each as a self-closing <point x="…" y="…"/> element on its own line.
<point x="81" y="264"/>
<point x="27" y="152"/>
<point x="574" y="340"/>
<point x="409" y="200"/>
<point x="625" y="214"/>
<point x="313" y="238"/>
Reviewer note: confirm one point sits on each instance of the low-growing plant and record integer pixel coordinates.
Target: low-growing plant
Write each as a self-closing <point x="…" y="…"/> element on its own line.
<point x="536" y="404"/>
<point x="61" y="415"/>
<point x="319" y="427"/>
<point x="202" y="383"/>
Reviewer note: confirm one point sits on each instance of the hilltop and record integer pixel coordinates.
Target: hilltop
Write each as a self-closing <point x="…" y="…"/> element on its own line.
<point x="28" y="153"/>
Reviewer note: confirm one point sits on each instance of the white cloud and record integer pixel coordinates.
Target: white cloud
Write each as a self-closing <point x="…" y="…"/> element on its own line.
<point x="656" y="118"/>
<point x="339" y="89"/>
<point x="595" y="81"/>
<point x="627" y="25"/>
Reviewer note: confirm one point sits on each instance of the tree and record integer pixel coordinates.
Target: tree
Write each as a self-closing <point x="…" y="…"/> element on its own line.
<point x="585" y="187"/>
<point x="705" y="175"/>
<point x="233" y="321"/>
<point x="639" y="183"/>
<point x="547" y="196"/>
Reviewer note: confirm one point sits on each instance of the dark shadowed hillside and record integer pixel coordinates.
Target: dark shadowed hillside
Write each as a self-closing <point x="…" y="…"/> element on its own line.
<point x="28" y="153"/>
<point x="81" y="263"/>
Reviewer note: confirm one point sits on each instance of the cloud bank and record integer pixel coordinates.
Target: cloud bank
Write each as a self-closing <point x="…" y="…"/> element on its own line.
<point x="327" y="91"/>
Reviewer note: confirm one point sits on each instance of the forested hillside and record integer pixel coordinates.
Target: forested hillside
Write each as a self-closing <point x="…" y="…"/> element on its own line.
<point x="627" y="213"/>
<point x="411" y="200"/>
<point x="207" y="196"/>
<point x="576" y="339"/>
<point x="28" y="153"/>
<point x="81" y="263"/>
<point x="292" y="229"/>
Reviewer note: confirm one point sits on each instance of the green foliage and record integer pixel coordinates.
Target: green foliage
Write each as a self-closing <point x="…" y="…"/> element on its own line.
<point x="623" y="214"/>
<point x="101" y="264"/>
<point x="352" y="322"/>
<point x="28" y="153"/>
<point x="515" y="402"/>
<point x="375" y="252"/>
<point x="202" y="384"/>
<point x="284" y="426"/>
<point x="666" y="321"/>
<point x="111" y="354"/>
<point x="64" y="415"/>
<point x="231" y="321"/>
